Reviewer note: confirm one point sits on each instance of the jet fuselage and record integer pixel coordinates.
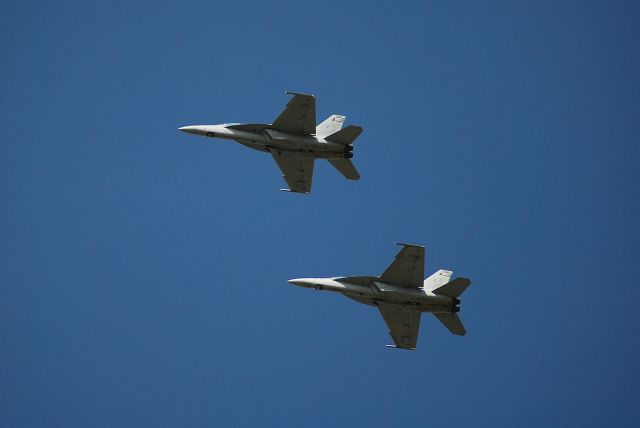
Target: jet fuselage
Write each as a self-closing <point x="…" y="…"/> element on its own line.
<point x="401" y="294"/>
<point x="371" y="291"/>
<point x="295" y="141"/>
<point x="261" y="137"/>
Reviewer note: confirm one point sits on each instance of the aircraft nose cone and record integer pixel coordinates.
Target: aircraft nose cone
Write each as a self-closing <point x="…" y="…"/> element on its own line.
<point x="299" y="281"/>
<point x="191" y="130"/>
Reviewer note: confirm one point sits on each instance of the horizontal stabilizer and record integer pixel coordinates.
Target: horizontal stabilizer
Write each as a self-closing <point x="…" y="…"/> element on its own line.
<point x="346" y="168"/>
<point x="454" y="288"/>
<point x="452" y="322"/>
<point x="346" y="135"/>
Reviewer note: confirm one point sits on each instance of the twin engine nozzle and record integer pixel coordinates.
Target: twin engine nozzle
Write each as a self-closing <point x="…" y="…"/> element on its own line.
<point x="348" y="151"/>
<point x="455" y="302"/>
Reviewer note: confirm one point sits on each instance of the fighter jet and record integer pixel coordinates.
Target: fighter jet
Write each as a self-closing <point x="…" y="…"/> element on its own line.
<point x="294" y="141"/>
<point x="401" y="295"/>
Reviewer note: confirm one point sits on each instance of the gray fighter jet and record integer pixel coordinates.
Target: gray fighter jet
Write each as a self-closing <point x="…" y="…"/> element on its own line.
<point x="401" y="295"/>
<point x="294" y="141"/>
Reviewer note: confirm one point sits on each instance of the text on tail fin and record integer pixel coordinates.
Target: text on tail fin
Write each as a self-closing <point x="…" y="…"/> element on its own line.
<point x="438" y="279"/>
<point x="330" y="125"/>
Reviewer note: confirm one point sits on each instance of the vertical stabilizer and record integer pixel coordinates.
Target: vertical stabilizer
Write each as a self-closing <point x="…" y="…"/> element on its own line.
<point x="331" y="125"/>
<point x="438" y="279"/>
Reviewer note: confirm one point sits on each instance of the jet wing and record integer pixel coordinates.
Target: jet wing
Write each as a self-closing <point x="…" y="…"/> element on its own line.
<point x="297" y="172"/>
<point x="299" y="116"/>
<point x="407" y="269"/>
<point x="403" y="323"/>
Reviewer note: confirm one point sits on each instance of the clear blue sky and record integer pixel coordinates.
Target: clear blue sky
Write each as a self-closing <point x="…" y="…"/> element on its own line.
<point x="142" y="275"/>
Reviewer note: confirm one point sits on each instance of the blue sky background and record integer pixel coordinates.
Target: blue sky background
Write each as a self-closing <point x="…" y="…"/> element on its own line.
<point x="142" y="275"/>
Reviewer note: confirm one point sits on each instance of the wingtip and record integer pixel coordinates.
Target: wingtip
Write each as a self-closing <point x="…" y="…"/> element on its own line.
<point x="409" y="245"/>
<point x="293" y="191"/>
<point x="299" y="93"/>
<point x="398" y="347"/>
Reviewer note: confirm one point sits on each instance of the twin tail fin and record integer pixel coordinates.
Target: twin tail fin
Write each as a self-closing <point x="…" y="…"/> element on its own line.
<point x="440" y="283"/>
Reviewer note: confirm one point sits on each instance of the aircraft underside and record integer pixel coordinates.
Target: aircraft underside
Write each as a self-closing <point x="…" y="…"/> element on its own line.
<point x="295" y="141"/>
<point x="302" y="150"/>
<point x="421" y="306"/>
